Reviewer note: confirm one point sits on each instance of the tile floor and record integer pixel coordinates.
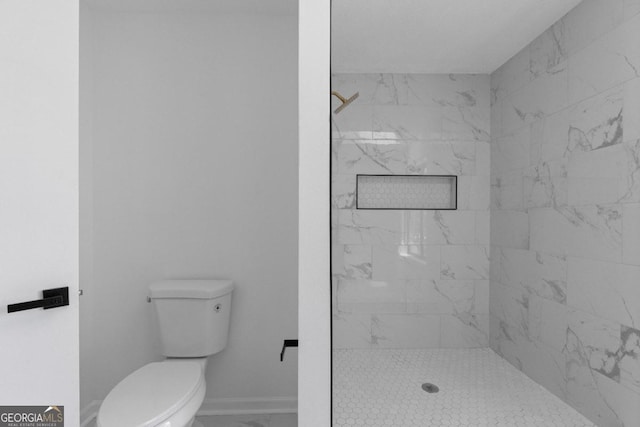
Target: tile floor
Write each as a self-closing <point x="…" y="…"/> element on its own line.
<point x="382" y="388"/>
<point x="273" y="420"/>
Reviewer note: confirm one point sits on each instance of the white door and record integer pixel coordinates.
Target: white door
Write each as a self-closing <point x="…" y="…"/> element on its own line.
<point x="39" y="202"/>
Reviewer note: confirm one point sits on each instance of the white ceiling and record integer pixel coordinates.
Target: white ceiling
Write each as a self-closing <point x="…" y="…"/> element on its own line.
<point x="436" y="36"/>
<point x="404" y="36"/>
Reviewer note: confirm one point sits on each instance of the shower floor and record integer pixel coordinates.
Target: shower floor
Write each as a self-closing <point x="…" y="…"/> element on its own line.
<point x="477" y="388"/>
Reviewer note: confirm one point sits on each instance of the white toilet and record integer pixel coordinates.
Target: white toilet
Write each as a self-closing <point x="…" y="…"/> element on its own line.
<point x="193" y="318"/>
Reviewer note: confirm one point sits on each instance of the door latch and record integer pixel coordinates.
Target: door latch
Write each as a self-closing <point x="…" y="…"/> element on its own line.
<point x="51" y="298"/>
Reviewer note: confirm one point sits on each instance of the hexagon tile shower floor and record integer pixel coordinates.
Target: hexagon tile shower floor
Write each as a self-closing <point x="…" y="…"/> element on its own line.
<point x="383" y="388"/>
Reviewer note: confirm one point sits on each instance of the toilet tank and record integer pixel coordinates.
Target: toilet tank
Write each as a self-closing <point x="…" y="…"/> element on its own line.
<point x="193" y="315"/>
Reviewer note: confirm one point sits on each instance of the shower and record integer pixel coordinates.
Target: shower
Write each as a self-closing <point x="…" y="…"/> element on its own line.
<point x="485" y="226"/>
<point x="345" y="101"/>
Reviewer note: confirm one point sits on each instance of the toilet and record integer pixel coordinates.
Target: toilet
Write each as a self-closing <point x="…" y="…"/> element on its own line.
<point x="193" y="319"/>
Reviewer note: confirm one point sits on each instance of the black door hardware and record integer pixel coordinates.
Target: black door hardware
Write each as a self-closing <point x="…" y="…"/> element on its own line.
<point x="287" y="343"/>
<point x="51" y="298"/>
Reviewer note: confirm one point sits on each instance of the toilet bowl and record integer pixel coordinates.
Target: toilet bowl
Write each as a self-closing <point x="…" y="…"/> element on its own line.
<point x="193" y="316"/>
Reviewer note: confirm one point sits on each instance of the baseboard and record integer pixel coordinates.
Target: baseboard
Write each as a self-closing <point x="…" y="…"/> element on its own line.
<point x="273" y="405"/>
<point x="89" y="413"/>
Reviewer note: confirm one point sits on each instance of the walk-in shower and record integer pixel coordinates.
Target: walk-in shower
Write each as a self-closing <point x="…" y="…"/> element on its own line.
<point x="485" y="224"/>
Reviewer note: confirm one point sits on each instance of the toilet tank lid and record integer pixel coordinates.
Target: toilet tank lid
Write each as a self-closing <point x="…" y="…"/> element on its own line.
<point x="197" y="289"/>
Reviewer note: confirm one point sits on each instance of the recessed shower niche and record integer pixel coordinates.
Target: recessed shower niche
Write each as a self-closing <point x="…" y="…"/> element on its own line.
<point x="428" y="192"/>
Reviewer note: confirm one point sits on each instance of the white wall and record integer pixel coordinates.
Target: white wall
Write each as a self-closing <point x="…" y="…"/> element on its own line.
<point x="194" y="175"/>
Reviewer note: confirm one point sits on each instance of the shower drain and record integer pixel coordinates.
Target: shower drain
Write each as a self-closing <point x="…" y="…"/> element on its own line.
<point x="430" y="388"/>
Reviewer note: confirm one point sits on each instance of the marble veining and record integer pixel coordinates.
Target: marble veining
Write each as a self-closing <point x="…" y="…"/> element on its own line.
<point x="548" y="52"/>
<point x="602" y="363"/>
<point x="390" y="89"/>
<point x="360" y="156"/>
<point x="507" y="191"/>
<point x="407" y="122"/>
<point x="442" y="158"/>
<point x="565" y="223"/>
<point x="464" y="262"/>
<point x="352" y="262"/>
<point x="631" y="8"/>
<point x="546" y="184"/>
<point x="618" y="60"/>
<point x="343" y="191"/>
<point x="540" y="274"/>
<point x="412" y="278"/>
<point x="597" y="122"/>
<point x="629" y="357"/>
<point x="599" y="340"/>
<point x="543" y="96"/>
<point x="619" y="300"/>
<point x="632" y="180"/>
<point x="591" y="231"/>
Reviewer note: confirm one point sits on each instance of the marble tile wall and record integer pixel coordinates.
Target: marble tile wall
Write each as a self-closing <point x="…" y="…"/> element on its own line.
<point x="565" y="210"/>
<point x="408" y="278"/>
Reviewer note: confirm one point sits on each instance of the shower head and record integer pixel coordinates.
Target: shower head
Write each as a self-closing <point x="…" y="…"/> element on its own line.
<point x="344" y="100"/>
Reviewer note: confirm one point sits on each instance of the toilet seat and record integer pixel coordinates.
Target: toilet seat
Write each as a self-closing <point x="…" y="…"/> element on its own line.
<point x="152" y="394"/>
